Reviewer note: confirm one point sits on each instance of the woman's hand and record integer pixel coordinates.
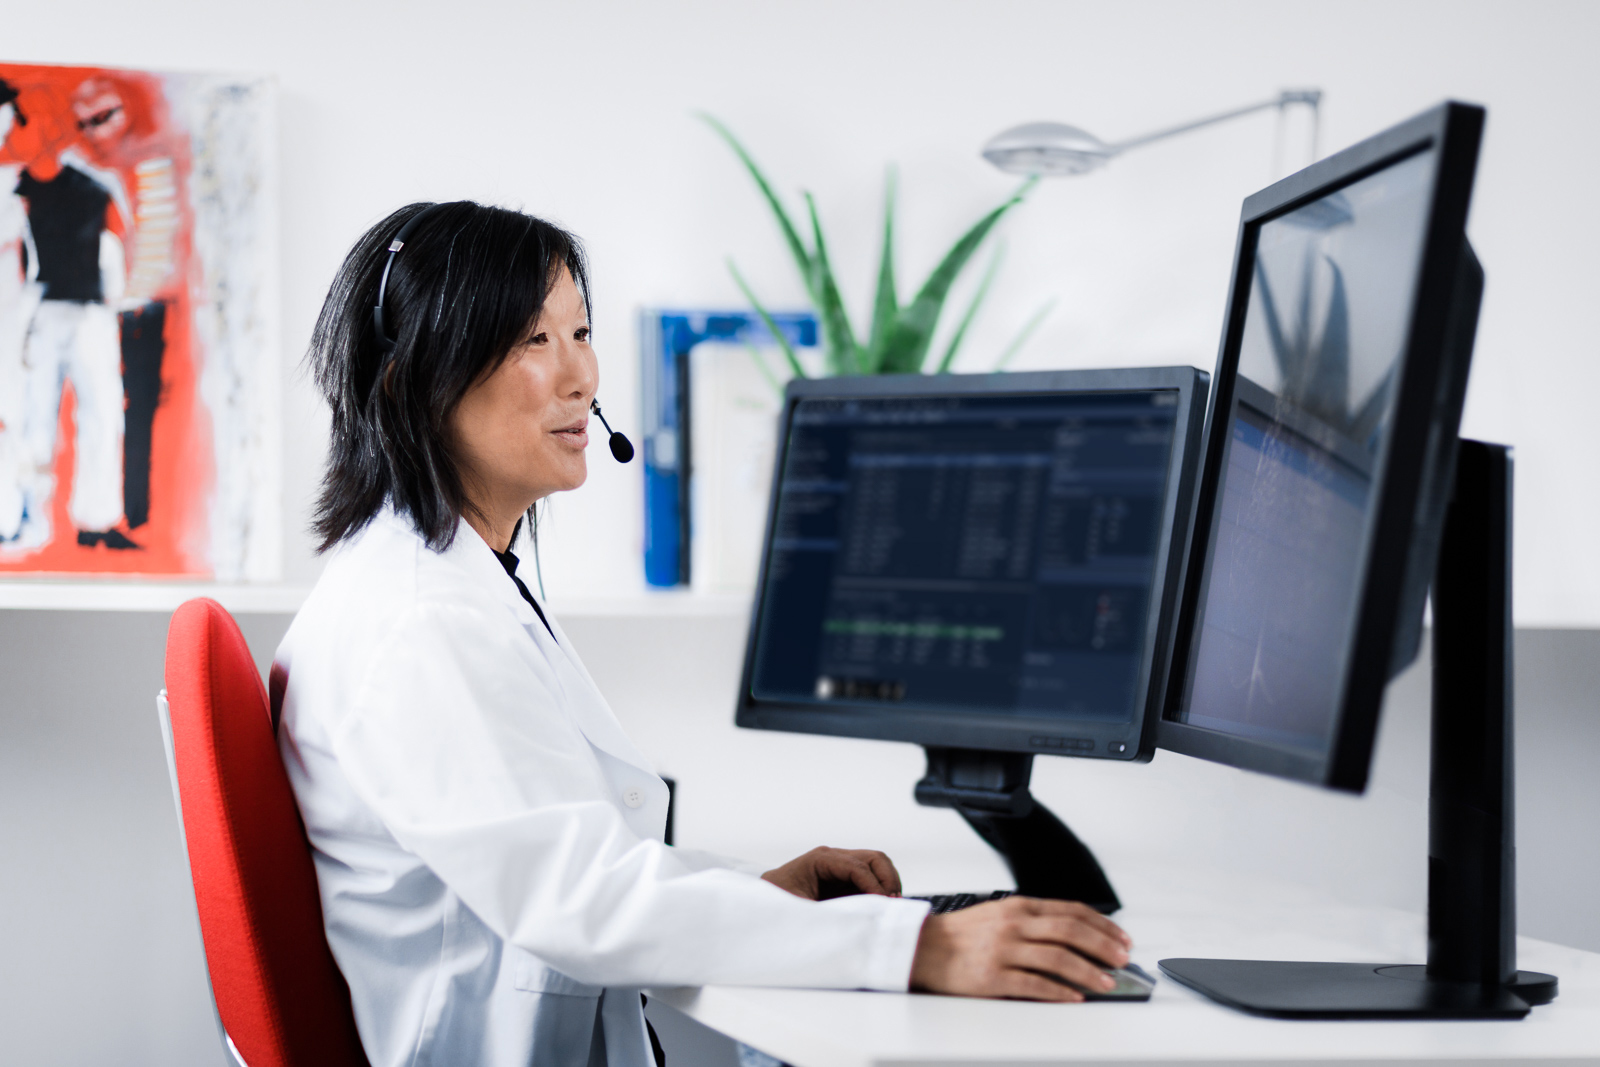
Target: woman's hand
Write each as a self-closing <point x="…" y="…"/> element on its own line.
<point x="824" y="873"/>
<point x="1019" y="947"/>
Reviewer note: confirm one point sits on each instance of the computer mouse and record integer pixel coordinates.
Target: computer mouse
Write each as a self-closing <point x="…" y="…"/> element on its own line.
<point x="1133" y="983"/>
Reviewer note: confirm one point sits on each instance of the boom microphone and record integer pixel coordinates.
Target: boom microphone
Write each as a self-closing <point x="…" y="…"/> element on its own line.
<point x="621" y="447"/>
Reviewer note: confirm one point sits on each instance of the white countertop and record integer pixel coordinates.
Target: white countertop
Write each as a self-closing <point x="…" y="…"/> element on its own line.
<point x="823" y="1028"/>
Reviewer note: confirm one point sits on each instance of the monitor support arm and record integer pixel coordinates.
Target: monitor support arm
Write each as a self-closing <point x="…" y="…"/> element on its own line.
<point x="990" y="791"/>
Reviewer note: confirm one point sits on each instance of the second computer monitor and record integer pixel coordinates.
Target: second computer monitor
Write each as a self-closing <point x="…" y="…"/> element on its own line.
<point x="975" y="561"/>
<point x="1330" y="454"/>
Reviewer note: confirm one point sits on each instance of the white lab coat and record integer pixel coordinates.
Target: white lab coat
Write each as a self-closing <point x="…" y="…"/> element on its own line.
<point x="488" y="841"/>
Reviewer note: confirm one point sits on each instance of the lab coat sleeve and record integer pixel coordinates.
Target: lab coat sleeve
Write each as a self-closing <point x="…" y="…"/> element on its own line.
<point x="457" y="739"/>
<point x="696" y="860"/>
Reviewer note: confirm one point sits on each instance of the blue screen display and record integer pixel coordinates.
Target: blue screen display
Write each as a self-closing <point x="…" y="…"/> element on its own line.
<point x="988" y="554"/>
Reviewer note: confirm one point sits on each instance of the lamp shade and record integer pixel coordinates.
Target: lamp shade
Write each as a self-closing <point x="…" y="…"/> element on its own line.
<point x="1049" y="148"/>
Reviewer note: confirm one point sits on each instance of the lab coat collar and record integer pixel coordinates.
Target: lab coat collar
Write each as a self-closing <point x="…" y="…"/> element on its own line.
<point x="590" y="712"/>
<point x="474" y="555"/>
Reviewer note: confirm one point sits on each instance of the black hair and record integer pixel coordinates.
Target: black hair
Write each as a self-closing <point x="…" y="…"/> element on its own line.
<point x="8" y="95"/>
<point x="469" y="283"/>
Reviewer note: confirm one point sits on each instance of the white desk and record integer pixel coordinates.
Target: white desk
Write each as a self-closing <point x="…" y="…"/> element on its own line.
<point x="819" y="1028"/>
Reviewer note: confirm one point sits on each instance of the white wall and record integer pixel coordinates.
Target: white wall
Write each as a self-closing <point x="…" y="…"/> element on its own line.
<point x="581" y="112"/>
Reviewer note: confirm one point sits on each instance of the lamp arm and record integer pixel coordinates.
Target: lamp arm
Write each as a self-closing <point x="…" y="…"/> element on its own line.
<point x="1283" y="99"/>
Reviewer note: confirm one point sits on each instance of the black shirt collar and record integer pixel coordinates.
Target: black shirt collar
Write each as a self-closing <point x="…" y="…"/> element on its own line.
<point x="509" y="561"/>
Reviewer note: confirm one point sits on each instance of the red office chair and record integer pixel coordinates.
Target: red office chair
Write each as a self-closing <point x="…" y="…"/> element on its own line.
<point x="279" y="996"/>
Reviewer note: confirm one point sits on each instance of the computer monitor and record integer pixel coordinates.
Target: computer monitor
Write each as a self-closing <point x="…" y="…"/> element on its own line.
<point x="979" y="564"/>
<point x="1327" y="479"/>
<point x="1329" y="454"/>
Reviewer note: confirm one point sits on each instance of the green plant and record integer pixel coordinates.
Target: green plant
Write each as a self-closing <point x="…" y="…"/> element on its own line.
<point x="901" y="335"/>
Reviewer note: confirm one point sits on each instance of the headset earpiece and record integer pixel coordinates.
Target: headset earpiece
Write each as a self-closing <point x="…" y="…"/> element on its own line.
<point x="385" y="345"/>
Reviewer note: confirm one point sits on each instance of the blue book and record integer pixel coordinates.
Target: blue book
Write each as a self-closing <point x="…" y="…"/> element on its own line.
<point x="666" y="339"/>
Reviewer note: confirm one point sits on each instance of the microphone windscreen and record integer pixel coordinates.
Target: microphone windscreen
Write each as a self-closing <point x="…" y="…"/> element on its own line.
<point x="621" y="447"/>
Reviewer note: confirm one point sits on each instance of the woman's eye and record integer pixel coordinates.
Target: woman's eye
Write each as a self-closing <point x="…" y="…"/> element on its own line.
<point x="581" y="335"/>
<point x="539" y="339"/>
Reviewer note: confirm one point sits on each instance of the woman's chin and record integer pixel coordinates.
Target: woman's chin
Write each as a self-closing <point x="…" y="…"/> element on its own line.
<point x="562" y="477"/>
<point x="576" y="474"/>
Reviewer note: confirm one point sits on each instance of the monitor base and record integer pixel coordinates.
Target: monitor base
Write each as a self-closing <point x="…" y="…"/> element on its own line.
<point x="990" y="791"/>
<point x="1292" y="990"/>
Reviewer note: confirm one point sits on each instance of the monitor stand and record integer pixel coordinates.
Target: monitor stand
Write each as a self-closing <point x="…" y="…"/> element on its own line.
<point x="1472" y="956"/>
<point x="990" y="791"/>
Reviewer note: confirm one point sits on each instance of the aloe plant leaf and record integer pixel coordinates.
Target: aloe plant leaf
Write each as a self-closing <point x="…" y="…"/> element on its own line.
<point x="1023" y="334"/>
<point x="885" y="303"/>
<point x="791" y="235"/>
<point x="908" y="343"/>
<point x="772" y="327"/>
<point x="843" y="356"/>
<point x="972" y="311"/>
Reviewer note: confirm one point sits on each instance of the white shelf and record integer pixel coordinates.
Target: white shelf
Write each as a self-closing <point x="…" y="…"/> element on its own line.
<point x="40" y="594"/>
<point x="664" y="604"/>
<point x="25" y="594"/>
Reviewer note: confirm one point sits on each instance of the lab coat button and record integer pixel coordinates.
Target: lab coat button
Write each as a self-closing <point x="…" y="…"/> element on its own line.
<point x="633" y="797"/>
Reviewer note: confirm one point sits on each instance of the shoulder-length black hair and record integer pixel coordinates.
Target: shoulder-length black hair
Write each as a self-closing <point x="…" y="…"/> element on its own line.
<point x="464" y="290"/>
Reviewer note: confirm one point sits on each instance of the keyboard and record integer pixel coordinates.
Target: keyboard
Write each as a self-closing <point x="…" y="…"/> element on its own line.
<point x="947" y="902"/>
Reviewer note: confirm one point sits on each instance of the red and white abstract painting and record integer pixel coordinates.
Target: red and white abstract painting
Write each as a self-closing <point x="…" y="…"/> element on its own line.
<point x="139" y="372"/>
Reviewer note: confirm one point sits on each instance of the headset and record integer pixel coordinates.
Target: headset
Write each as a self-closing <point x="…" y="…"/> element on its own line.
<point x="621" y="447"/>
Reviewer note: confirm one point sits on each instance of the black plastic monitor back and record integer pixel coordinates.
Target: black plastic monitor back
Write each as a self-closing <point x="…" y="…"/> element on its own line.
<point x="1400" y="455"/>
<point x="878" y="707"/>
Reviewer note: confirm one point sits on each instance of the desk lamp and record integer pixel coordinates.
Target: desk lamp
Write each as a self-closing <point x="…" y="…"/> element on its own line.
<point x="1056" y="150"/>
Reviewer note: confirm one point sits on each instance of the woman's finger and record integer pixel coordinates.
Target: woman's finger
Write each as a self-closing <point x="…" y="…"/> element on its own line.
<point x="850" y="867"/>
<point x="1025" y="985"/>
<point x="1061" y="963"/>
<point x="885" y="871"/>
<point x="1074" y="933"/>
<point x="1071" y="909"/>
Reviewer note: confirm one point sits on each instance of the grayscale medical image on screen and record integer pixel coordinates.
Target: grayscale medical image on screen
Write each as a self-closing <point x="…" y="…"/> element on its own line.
<point x="1325" y="329"/>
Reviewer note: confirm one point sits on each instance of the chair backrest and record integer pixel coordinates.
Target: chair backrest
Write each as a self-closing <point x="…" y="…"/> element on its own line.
<point x="279" y="994"/>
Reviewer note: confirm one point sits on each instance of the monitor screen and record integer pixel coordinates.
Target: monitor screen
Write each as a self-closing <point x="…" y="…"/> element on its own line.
<point x="989" y="557"/>
<point x="1326" y="325"/>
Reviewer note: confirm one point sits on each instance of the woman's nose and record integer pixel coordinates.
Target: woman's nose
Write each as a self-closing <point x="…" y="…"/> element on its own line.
<point x="581" y="369"/>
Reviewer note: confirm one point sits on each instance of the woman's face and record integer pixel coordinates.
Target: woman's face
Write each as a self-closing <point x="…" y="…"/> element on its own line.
<point x="521" y="431"/>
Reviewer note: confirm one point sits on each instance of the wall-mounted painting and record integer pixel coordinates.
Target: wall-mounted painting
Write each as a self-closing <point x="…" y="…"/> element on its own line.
<point x="138" y="313"/>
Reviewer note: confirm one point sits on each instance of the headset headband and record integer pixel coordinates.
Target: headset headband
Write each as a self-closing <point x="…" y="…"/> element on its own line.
<point x="385" y="342"/>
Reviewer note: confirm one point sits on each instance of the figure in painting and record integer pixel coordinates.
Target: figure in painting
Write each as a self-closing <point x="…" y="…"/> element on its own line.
<point x="120" y="132"/>
<point x="19" y="297"/>
<point x="72" y="251"/>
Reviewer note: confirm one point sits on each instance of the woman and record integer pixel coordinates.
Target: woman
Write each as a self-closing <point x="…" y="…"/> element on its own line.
<point x="487" y="839"/>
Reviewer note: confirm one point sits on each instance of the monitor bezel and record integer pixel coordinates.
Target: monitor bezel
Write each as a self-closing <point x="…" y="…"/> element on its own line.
<point x="874" y="721"/>
<point x="1420" y="427"/>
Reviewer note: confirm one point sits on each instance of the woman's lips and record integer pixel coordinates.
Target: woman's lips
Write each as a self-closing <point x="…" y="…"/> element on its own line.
<point x="576" y="435"/>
